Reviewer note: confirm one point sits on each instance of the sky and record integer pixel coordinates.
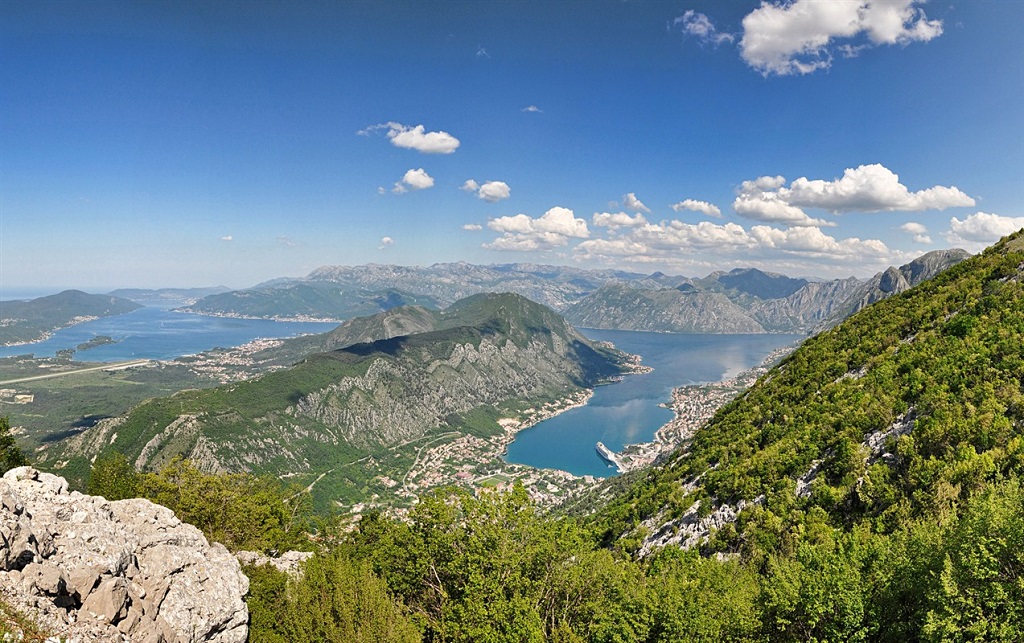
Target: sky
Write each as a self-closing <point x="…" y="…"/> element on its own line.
<point x="174" y="144"/>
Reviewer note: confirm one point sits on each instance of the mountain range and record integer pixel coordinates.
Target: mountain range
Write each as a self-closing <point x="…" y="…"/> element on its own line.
<point x="739" y="301"/>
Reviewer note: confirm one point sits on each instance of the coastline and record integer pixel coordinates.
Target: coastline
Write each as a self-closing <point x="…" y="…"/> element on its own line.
<point x="693" y="406"/>
<point x="47" y="334"/>
<point x="300" y="318"/>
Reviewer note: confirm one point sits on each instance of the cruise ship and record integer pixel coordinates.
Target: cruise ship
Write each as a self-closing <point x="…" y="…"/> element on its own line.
<point x="607" y="454"/>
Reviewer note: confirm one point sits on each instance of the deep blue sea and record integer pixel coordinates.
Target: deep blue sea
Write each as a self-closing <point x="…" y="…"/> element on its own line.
<point x="155" y="332"/>
<point x="628" y="412"/>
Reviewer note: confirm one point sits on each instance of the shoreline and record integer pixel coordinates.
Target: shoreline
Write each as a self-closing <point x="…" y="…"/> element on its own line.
<point x="693" y="406"/>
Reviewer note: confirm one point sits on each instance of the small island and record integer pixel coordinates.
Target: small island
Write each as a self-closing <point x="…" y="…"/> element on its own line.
<point x="98" y="340"/>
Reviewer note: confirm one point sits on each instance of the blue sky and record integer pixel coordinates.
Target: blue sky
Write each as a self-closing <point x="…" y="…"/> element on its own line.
<point x="199" y="143"/>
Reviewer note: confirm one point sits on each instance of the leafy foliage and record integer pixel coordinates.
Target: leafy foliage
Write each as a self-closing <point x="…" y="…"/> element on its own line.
<point x="10" y="455"/>
<point x="239" y="510"/>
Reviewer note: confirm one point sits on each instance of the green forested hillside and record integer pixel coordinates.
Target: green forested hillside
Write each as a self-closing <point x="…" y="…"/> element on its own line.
<point x="907" y="408"/>
<point x="352" y="422"/>
<point x="867" y="489"/>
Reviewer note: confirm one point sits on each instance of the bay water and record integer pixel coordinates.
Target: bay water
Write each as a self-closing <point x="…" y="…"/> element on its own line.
<point x="156" y="332"/>
<point x="630" y="411"/>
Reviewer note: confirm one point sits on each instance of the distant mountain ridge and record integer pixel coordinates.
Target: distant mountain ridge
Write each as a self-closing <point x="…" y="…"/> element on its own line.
<point x="29" y="321"/>
<point x="743" y="300"/>
<point x="744" y="303"/>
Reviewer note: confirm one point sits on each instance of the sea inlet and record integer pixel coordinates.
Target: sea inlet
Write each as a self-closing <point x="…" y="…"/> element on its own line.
<point x="630" y="411"/>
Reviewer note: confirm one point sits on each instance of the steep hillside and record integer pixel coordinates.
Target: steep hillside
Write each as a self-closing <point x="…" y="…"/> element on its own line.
<point x="29" y="321"/>
<point x="902" y="413"/>
<point x="896" y="280"/>
<point x="359" y="414"/>
<point x="676" y="310"/>
<point x="751" y="281"/>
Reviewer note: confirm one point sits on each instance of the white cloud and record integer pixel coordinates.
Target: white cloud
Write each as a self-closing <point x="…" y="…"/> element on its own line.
<point x="618" y="220"/>
<point x="799" y="37"/>
<point x="493" y="191"/>
<point x="533" y="109"/>
<point x="381" y="190"/>
<point x="870" y="188"/>
<point x="227" y="238"/>
<point x="918" y="230"/>
<point x="812" y="242"/>
<point x="762" y="184"/>
<point x="698" y="25"/>
<point x="552" y="229"/>
<point x="675" y="242"/>
<point x="482" y="53"/>
<point x="417" y="179"/>
<point x="288" y="242"/>
<point x="867" y="188"/>
<point x="981" y="229"/>
<point x="472" y="227"/>
<point x="416" y="138"/>
<point x="385" y="242"/>
<point x="490" y="191"/>
<point x="630" y="202"/>
<point x="693" y="205"/>
<point x="769" y="207"/>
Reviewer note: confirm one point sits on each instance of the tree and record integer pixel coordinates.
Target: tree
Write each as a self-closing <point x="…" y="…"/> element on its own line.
<point x="113" y="477"/>
<point x="10" y="455"/>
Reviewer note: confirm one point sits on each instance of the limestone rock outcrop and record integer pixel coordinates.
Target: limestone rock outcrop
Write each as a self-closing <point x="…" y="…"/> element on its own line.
<point x="92" y="570"/>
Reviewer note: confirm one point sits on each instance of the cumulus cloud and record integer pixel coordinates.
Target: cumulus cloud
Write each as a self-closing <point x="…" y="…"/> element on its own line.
<point x="870" y="188"/>
<point x="771" y="208"/>
<point x="385" y="242"/>
<point x="699" y="26"/>
<point x="693" y="205"/>
<point x="473" y="227"/>
<point x="800" y="37"/>
<point x="417" y="179"/>
<point x="866" y="188"/>
<point x="552" y="229"/>
<point x="493" y="191"/>
<point x="533" y="109"/>
<point x="618" y="220"/>
<point x="672" y="241"/>
<point x="227" y="238"/>
<point x="918" y="230"/>
<point x="630" y="202"/>
<point x="981" y="229"/>
<point x="490" y="191"/>
<point x="416" y="138"/>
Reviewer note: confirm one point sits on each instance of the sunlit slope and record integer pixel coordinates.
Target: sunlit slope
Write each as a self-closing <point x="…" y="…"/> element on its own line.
<point x="909" y="407"/>
<point x="363" y="411"/>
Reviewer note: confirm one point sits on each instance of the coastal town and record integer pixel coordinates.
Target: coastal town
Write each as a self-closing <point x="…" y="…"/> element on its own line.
<point x="457" y="459"/>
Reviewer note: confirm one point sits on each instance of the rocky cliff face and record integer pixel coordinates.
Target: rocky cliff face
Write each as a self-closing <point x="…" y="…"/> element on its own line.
<point x="675" y="310"/>
<point x="92" y="570"/>
<point x="894" y="281"/>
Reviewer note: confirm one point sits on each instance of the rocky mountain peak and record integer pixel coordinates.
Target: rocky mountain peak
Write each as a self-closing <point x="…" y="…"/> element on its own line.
<point x="91" y="570"/>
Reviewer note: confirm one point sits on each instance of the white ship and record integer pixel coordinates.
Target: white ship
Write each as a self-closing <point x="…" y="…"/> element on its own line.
<point x="607" y="454"/>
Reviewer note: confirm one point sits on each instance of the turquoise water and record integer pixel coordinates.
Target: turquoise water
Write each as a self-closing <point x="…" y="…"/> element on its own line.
<point x="628" y="412"/>
<point x="159" y="333"/>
